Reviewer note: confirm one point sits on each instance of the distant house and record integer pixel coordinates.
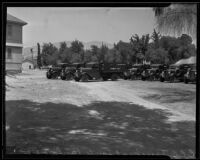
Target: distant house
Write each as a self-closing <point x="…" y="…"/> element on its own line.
<point x="29" y="64"/>
<point x="14" y="43"/>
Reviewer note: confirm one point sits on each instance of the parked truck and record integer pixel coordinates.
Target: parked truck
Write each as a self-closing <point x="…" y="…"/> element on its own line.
<point x="98" y="71"/>
<point x="69" y="71"/>
<point x="55" y="71"/>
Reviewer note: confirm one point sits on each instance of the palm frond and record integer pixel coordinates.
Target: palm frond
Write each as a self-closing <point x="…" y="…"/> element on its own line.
<point x="181" y="18"/>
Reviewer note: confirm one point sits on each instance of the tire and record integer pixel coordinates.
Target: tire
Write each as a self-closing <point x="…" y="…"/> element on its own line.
<point x="125" y="76"/>
<point x="133" y="77"/>
<point x="63" y="77"/>
<point x="143" y="78"/>
<point x="48" y="75"/>
<point x="77" y="79"/>
<point x="105" y="79"/>
<point x="113" y="77"/>
<point x="171" y="79"/>
<point x="69" y="76"/>
<point x="185" y="80"/>
<point x="151" y="78"/>
<point x="162" y="79"/>
<point x="84" y="78"/>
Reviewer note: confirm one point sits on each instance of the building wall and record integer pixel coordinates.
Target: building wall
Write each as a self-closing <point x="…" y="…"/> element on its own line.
<point x="14" y="67"/>
<point x="15" y="62"/>
<point x="13" y="33"/>
<point x="25" y="65"/>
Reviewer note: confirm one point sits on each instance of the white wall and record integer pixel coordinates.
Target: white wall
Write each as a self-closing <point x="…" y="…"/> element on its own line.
<point x="25" y="65"/>
<point x="14" y="67"/>
<point x="16" y="54"/>
<point x="15" y="63"/>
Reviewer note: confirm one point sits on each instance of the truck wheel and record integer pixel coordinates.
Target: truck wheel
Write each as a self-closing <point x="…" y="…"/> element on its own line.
<point x="62" y="76"/>
<point x="77" y="79"/>
<point x="105" y="79"/>
<point x="69" y="77"/>
<point x="162" y="79"/>
<point x="132" y="77"/>
<point x="143" y="79"/>
<point x="114" y="77"/>
<point x="185" y="80"/>
<point x="48" y="75"/>
<point x="171" y="79"/>
<point x="84" y="78"/>
<point x="125" y="78"/>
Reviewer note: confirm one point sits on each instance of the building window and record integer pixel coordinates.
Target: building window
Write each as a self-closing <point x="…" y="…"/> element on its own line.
<point x="9" y="30"/>
<point x="9" y="56"/>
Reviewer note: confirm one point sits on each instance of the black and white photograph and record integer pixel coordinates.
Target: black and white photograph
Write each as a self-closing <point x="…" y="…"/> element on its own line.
<point x="101" y="80"/>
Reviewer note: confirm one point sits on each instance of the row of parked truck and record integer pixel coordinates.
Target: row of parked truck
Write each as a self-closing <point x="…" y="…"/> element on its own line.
<point x="104" y="71"/>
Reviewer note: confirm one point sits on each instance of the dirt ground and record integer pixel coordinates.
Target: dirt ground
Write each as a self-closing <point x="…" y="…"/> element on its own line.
<point x="118" y="117"/>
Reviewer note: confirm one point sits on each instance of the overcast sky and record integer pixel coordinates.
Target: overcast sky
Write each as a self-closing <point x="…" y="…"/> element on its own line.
<point x="85" y="24"/>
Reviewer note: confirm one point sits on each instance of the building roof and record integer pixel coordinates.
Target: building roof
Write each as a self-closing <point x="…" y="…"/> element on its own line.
<point x="15" y="19"/>
<point x="191" y="60"/>
<point x="34" y="61"/>
<point x="27" y="60"/>
<point x="14" y="44"/>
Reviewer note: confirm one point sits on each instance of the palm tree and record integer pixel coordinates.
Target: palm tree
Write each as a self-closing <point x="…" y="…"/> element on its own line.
<point x="177" y="18"/>
<point x="140" y="45"/>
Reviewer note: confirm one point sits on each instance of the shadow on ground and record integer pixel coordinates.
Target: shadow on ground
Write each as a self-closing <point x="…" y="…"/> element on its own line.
<point x="169" y="95"/>
<point x="98" y="128"/>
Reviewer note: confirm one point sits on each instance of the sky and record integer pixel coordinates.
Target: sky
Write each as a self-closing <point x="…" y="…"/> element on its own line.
<point x="48" y="24"/>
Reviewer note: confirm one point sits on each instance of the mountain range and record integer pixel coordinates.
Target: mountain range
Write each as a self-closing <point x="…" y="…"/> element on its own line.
<point x="27" y="50"/>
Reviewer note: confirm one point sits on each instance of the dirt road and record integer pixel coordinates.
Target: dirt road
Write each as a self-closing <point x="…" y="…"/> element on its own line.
<point x="176" y="98"/>
<point x="112" y="117"/>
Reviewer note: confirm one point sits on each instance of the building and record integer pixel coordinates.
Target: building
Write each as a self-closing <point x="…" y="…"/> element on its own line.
<point x="14" y="43"/>
<point x="29" y="64"/>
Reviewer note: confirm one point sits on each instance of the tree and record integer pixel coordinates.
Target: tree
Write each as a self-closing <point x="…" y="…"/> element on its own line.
<point x="124" y="50"/>
<point x="65" y="55"/>
<point x="177" y="18"/>
<point x="103" y="51"/>
<point x="39" y="62"/>
<point x="49" y="54"/>
<point x="94" y="49"/>
<point x="177" y="48"/>
<point x="156" y="37"/>
<point x="88" y="56"/>
<point x="186" y="48"/>
<point x="157" y="56"/>
<point x="113" y="56"/>
<point x="135" y="46"/>
<point x="77" y="48"/>
<point x="99" y="54"/>
<point x="144" y="43"/>
<point x="140" y="45"/>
